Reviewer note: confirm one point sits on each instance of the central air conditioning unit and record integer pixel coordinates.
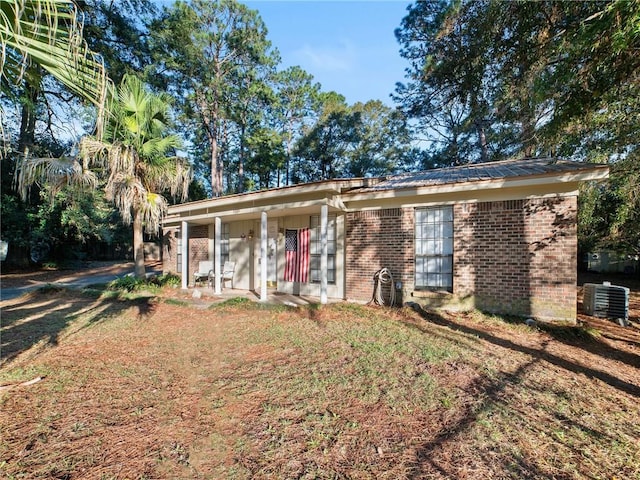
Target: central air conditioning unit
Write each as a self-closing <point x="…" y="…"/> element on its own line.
<point x="606" y="301"/>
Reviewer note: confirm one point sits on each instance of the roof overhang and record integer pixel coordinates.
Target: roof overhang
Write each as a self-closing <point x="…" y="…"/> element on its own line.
<point x="485" y="190"/>
<point x="367" y="194"/>
<point x="301" y="199"/>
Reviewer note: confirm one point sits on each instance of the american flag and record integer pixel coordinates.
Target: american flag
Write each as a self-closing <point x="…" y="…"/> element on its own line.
<point x="296" y="246"/>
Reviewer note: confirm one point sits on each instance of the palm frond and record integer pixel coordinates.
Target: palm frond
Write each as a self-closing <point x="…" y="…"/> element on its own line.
<point x="173" y="175"/>
<point x="49" y="33"/>
<point x="181" y="179"/>
<point x="126" y="192"/>
<point x="158" y="147"/>
<point x="122" y="160"/>
<point x="55" y="172"/>
<point x="94" y="150"/>
<point x="153" y="209"/>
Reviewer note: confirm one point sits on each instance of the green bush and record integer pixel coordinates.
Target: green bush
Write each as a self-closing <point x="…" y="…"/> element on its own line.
<point x="128" y="283"/>
<point x="166" y="280"/>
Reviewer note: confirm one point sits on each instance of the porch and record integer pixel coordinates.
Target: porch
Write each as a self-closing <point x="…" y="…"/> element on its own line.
<point x="290" y="238"/>
<point x="206" y="296"/>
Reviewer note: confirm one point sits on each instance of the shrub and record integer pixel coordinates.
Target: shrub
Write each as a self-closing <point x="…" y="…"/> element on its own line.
<point x="166" y="280"/>
<point x="128" y="283"/>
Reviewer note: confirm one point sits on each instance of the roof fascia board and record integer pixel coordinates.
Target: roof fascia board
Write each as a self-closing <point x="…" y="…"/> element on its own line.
<point x="327" y="187"/>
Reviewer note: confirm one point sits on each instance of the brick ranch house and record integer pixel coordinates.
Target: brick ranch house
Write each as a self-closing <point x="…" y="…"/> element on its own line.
<point x="500" y="237"/>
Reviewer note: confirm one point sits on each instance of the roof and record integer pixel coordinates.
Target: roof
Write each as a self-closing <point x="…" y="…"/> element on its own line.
<point x="509" y="179"/>
<point x="526" y="167"/>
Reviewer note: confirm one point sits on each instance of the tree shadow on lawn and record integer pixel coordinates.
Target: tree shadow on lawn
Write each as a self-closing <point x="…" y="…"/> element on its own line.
<point x="492" y="393"/>
<point x="605" y="377"/>
<point x="585" y="337"/>
<point x="430" y="456"/>
<point x="41" y="316"/>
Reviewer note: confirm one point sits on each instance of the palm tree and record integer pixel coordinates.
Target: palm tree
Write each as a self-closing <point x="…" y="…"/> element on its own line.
<point x="133" y="157"/>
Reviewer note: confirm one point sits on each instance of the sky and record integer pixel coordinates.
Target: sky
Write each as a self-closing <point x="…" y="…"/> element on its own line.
<point x="348" y="46"/>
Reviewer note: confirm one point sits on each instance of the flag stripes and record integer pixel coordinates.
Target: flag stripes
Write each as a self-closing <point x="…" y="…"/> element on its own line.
<point x="303" y="255"/>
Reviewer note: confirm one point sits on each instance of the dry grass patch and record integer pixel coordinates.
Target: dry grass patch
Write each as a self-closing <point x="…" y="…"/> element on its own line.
<point x="141" y="388"/>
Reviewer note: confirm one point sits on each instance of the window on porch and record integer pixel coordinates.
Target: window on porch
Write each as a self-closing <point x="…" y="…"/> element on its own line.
<point x="315" y="247"/>
<point x="224" y="244"/>
<point x="178" y="235"/>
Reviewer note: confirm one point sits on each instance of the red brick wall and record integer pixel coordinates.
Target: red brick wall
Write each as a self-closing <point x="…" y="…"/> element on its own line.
<point x="518" y="256"/>
<point x="377" y="239"/>
<point x="512" y="257"/>
<point x="198" y="249"/>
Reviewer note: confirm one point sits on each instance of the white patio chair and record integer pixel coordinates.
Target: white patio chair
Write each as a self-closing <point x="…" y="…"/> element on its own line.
<point x="227" y="272"/>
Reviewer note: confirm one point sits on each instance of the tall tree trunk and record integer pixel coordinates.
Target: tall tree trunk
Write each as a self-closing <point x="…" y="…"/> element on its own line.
<point x="221" y="159"/>
<point x="287" y="178"/>
<point x="482" y="141"/>
<point x="220" y="176"/>
<point x="478" y="115"/>
<point x="240" y="188"/>
<point x="138" y="245"/>
<point x="216" y="184"/>
<point x="26" y="138"/>
<point x="528" y="135"/>
<point x="210" y="122"/>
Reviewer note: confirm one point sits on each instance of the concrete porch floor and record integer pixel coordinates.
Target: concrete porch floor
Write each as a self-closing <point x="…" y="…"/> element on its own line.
<point x="273" y="297"/>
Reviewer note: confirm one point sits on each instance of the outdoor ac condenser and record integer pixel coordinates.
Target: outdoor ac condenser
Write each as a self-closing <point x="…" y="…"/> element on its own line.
<point x="607" y="301"/>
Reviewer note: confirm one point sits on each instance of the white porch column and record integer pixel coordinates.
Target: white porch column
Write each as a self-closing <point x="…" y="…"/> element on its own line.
<point x="324" y="220"/>
<point x="184" y="236"/>
<point x="264" y="263"/>
<point x="216" y="255"/>
<point x="210" y="241"/>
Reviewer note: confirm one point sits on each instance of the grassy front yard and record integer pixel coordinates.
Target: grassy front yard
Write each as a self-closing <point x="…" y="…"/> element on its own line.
<point x="152" y="388"/>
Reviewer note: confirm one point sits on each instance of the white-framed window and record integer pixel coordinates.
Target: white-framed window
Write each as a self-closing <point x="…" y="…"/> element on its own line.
<point x="434" y="248"/>
<point x="224" y="244"/>
<point x="178" y="235"/>
<point x="315" y="249"/>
